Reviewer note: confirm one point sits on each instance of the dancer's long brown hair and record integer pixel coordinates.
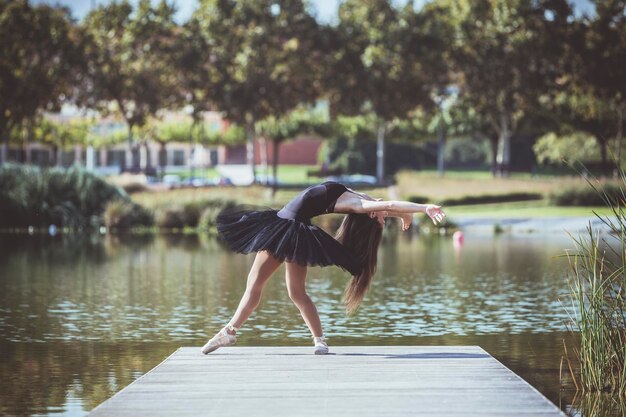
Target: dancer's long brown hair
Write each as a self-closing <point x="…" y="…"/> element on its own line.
<point x="361" y="235"/>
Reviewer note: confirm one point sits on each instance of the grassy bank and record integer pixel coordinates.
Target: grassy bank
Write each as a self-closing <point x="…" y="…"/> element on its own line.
<point x="468" y="183"/>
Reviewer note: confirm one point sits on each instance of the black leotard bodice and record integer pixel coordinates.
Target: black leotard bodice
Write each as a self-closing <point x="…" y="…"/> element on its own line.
<point x="313" y="201"/>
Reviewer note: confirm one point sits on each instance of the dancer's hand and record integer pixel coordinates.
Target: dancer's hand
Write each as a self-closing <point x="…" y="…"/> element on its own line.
<point x="407" y="220"/>
<point x="435" y="213"/>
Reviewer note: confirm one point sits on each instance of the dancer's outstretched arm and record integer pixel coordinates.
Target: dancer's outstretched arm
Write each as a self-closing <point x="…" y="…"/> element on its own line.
<point x="353" y="203"/>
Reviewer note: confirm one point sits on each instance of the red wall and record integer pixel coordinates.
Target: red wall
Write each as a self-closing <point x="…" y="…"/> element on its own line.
<point x="302" y="151"/>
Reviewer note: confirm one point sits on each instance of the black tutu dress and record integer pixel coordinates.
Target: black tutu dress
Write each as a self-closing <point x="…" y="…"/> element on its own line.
<point x="288" y="233"/>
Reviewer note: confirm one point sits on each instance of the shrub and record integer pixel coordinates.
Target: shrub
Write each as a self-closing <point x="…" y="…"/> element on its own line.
<point x="171" y="218"/>
<point x="200" y="214"/>
<point x="134" y="187"/>
<point x="30" y="196"/>
<point x="586" y="196"/>
<point x="420" y="199"/>
<point x="191" y="212"/>
<point x="210" y="212"/>
<point x="491" y="198"/>
<point x="479" y="199"/>
<point x="121" y="214"/>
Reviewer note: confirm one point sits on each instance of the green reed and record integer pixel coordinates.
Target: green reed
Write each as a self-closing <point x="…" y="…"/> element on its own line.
<point x="597" y="282"/>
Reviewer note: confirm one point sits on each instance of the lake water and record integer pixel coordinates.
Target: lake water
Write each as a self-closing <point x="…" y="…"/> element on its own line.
<point x="83" y="316"/>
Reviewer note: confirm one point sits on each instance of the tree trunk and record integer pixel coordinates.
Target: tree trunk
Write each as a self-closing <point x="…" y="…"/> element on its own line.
<point x="129" y="141"/>
<point x="603" y="155"/>
<point x="441" y="147"/>
<point x="59" y="158"/>
<point x="192" y="160"/>
<point x="618" y="142"/>
<point x="380" y="152"/>
<point x="28" y="140"/>
<point x="504" y="146"/>
<point x="148" y="155"/>
<point x="162" y="158"/>
<point x="55" y="155"/>
<point x="4" y="149"/>
<point x="263" y="150"/>
<point x="275" y="166"/>
<point x="250" y="148"/>
<point x="493" y="140"/>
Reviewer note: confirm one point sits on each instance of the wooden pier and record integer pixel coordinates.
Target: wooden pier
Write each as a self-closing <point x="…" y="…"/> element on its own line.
<point x="376" y="381"/>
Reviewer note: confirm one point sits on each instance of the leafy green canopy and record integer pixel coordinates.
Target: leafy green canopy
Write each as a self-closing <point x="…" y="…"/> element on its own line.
<point x="264" y="56"/>
<point x="39" y="58"/>
<point x="129" y="58"/>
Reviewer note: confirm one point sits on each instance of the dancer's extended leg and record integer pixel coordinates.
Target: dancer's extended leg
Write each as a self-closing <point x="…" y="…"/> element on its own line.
<point x="295" y="278"/>
<point x="262" y="269"/>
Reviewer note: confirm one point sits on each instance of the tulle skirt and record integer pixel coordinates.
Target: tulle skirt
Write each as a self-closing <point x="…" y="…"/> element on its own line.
<point x="247" y="229"/>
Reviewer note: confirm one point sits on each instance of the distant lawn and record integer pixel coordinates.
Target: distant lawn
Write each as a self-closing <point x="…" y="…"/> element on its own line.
<point x="524" y="209"/>
<point x="257" y="195"/>
<point x="292" y="174"/>
<point x="457" y="184"/>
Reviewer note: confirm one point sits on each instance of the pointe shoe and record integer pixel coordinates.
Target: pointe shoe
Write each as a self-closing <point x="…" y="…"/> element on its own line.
<point x="321" y="347"/>
<point x="221" y="339"/>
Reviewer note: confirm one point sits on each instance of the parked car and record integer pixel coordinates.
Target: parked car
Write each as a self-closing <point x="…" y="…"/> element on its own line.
<point x="354" y="179"/>
<point x="172" y="181"/>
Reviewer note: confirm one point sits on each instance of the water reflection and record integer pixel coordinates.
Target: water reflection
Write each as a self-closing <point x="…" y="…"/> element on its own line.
<point x="178" y="287"/>
<point x="82" y="316"/>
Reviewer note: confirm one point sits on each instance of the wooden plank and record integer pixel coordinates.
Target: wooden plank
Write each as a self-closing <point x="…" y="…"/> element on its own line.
<point x="351" y="381"/>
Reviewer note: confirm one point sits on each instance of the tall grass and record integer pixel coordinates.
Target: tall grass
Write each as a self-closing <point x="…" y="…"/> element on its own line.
<point x="30" y="196"/>
<point x="597" y="283"/>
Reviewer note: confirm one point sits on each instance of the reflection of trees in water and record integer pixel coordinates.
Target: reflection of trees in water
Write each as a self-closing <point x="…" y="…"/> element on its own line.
<point x="129" y="240"/>
<point x="185" y="241"/>
<point x="54" y="250"/>
<point x="41" y="377"/>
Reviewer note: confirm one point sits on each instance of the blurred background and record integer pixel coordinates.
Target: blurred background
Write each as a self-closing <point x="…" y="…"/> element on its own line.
<point x="126" y="126"/>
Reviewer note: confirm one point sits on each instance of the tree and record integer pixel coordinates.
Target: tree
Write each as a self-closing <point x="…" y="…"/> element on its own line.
<point x="289" y="126"/>
<point x="164" y="132"/>
<point x="61" y="136"/>
<point x="264" y="57"/>
<point x="578" y="146"/>
<point x="387" y="61"/>
<point x="509" y="53"/>
<point x="130" y="70"/>
<point x="192" y="66"/>
<point x="598" y="54"/>
<point x="39" y="58"/>
<point x="578" y="111"/>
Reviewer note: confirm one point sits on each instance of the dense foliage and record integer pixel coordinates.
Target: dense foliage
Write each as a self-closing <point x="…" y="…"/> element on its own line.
<point x="31" y="196"/>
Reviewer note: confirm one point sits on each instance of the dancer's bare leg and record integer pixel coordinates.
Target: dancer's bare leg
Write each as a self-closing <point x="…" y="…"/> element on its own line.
<point x="262" y="269"/>
<point x="295" y="278"/>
